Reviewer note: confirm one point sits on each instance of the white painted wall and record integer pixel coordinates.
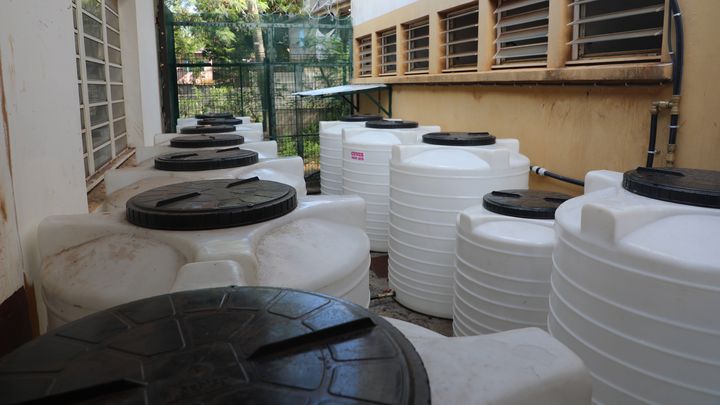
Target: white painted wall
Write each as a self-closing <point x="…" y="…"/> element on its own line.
<point x="140" y="70"/>
<point x="42" y="129"/>
<point x="365" y="10"/>
<point x="11" y="261"/>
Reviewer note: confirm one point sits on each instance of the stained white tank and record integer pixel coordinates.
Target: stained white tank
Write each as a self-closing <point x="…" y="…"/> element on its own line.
<point x="229" y="163"/>
<point x="636" y="285"/>
<point x="430" y="184"/>
<point x="331" y="150"/>
<point x="184" y="143"/>
<point x="366" y="157"/>
<point x="503" y="262"/>
<point x="523" y="366"/>
<point x="204" y="234"/>
<point x="192" y="121"/>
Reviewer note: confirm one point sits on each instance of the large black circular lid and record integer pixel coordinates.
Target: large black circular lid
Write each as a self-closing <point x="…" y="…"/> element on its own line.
<point x="206" y="140"/>
<point x="361" y="118"/>
<point x="390" y="124"/>
<point x="531" y="204"/>
<point x="682" y="186"/>
<point x="206" y="129"/>
<point x="211" y="204"/>
<point x="212" y="159"/>
<point x="220" y="121"/>
<point x="231" y="345"/>
<point x="214" y="115"/>
<point x="459" y="138"/>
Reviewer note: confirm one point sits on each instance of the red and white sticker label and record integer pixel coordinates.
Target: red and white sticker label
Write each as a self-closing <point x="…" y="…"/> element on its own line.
<point x="357" y="155"/>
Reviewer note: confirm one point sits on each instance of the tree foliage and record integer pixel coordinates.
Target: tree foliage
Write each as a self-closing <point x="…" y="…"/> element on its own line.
<point x="234" y="8"/>
<point x="224" y="42"/>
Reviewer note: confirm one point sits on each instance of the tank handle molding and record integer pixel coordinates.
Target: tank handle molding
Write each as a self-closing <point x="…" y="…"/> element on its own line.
<point x="611" y="224"/>
<point x="209" y="274"/>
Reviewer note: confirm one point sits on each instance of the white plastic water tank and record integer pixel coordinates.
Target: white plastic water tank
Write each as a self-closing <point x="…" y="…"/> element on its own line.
<point x="503" y="262"/>
<point x="366" y="157"/>
<point x="180" y="143"/>
<point x="331" y="150"/>
<point x="190" y="121"/>
<point x="430" y="184"/>
<point x="636" y="284"/>
<point x="201" y="234"/>
<point x="251" y="132"/>
<point x="523" y="366"/>
<point x="230" y="163"/>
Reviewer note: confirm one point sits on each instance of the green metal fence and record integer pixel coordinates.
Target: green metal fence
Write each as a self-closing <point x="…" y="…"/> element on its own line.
<point x="231" y="73"/>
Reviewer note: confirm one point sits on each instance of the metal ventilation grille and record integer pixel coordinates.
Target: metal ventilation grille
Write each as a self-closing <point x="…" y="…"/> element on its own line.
<point x="100" y="82"/>
<point x="604" y="28"/>
<point x="522" y="31"/>
<point x="387" y="51"/>
<point x="365" y="56"/>
<point x="417" y="44"/>
<point x="460" y="35"/>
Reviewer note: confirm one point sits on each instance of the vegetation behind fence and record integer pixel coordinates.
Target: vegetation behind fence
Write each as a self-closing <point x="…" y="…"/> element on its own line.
<point x="230" y="72"/>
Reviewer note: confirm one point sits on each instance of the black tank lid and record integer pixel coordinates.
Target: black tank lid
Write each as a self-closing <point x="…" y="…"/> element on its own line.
<point x="206" y="129"/>
<point x="206" y="141"/>
<point x="213" y="159"/>
<point x="220" y="121"/>
<point x="231" y="345"/>
<point x="459" y="138"/>
<point x="361" y="118"/>
<point x="389" y="124"/>
<point x="532" y="204"/>
<point x="211" y="204"/>
<point x="214" y="115"/>
<point x="682" y="186"/>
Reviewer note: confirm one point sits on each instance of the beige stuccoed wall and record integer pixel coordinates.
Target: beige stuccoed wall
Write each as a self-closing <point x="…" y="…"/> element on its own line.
<point x="140" y="70"/>
<point x="598" y="120"/>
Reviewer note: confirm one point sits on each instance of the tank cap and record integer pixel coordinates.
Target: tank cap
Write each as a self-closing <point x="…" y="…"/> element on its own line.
<point x="361" y="118"/>
<point x="220" y="121"/>
<point x="532" y="204"/>
<point x="459" y="138"/>
<point x="681" y="186"/>
<point x="206" y="129"/>
<point x="211" y="204"/>
<point x="214" y="115"/>
<point x="212" y="159"/>
<point x="206" y="141"/>
<point x="229" y="345"/>
<point x="390" y="124"/>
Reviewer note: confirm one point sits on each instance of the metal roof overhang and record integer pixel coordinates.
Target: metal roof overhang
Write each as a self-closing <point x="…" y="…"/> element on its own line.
<point x="350" y="90"/>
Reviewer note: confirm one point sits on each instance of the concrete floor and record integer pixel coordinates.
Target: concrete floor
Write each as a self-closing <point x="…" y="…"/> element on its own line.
<point x="391" y="308"/>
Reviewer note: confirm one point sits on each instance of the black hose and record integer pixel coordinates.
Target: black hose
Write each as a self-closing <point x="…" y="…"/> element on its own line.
<point x="541" y="171"/>
<point x="672" y="138"/>
<point x="653" y="137"/>
<point x="678" y="59"/>
<point x="677" y="56"/>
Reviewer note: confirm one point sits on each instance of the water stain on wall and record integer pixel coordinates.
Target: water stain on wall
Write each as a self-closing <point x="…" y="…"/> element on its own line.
<point x="4" y="115"/>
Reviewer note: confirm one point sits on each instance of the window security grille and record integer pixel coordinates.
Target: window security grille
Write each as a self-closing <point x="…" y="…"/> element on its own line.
<point x="603" y="28"/>
<point x="387" y="51"/>
<point x="365" y="56"/>
<point x="417" y="45"/>
<point x="460" y="36"/>
<point x="522" y="31"/>
<point x="100" y="81"/>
